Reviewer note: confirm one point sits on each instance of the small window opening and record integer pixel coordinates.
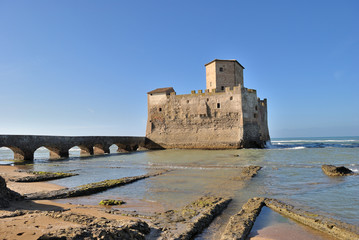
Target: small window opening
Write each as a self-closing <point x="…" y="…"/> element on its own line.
<point x="255" y="115"/>
<point x="256" y="107"/>
<point x="218" y="105"/>
<point x="207" y="99"/>
<point x="210" y="84"/>
<point x="222" y="88"/>
<point x="160" y="109"/>
<point x="231" y="98"/>
<point x="221" y="69"/>
<point x="187" y="101"/>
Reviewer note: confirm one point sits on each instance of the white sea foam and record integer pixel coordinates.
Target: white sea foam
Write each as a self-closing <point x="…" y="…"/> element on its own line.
<point x="314" y="141"/>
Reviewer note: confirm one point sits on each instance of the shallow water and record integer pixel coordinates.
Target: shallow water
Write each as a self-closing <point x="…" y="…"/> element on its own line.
<point x="291" y="172"/>
<point x="272" y="225"/>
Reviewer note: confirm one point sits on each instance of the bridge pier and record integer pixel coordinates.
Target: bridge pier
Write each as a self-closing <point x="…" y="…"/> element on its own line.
<point x="86" y="150"/>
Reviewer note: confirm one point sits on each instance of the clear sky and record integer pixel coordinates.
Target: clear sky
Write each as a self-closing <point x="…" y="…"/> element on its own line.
<point x="84" y="67"/>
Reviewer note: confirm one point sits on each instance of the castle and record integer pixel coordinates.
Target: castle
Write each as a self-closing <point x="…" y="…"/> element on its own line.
<point x="225" y="115"/>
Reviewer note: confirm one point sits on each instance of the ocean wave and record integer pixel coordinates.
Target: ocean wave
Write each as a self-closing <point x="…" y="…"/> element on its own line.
<point x="281" y="145"/>
<point x="314" y="141"/>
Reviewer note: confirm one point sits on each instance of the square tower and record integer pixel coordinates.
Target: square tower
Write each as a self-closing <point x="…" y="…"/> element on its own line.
<point x="223" y="73"/>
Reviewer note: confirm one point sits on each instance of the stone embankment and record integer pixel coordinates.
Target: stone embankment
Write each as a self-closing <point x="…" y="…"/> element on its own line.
<point x="190" y="220"/>
<point x="334" y="171"/>
<point x="240" y="225"/>
<point x="42" y="176"/>
<point x="89" y="189"/>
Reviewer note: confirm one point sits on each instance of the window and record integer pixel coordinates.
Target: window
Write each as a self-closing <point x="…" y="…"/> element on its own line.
<point x="231" y="98"/>
<point x="222" y="88"/>
<point x="207" y="99"/>
<point x="256" y="107"/>
<point x="210" y="84"/>
<point x="160" y="109"/>
<point x="187" y="101"/>
<point x="255" y="115"/>
<point x="221" y="69"/>
<point x="218" y="105"/>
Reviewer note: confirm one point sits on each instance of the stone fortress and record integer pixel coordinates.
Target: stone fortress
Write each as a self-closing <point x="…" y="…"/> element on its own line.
<point x="225" y="115"/>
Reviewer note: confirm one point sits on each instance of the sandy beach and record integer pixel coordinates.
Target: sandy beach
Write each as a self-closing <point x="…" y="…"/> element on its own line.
<point x="33" y="224"/>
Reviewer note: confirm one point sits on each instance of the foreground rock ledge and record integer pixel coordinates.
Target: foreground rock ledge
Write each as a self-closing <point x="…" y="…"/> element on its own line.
<point x="240" y="225"/>
<point x="97" y="228"/>
<point x="42" y="176"/>
<point x="190" y="220"/>
<point x="333" y="171"/>
<point x="89" y="189"/>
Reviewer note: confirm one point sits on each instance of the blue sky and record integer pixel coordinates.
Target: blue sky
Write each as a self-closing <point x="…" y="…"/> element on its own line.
<point x="84" y="67"/>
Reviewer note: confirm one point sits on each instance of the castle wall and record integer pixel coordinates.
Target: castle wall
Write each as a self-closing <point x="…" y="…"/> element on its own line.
<point x="203" y="120"/>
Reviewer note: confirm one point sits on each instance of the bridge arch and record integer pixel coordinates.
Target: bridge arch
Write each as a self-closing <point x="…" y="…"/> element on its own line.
<point x="20" y="154"/>
<point x="7" y="153"/>
<point x="126" y="147"/>
<point x="84" y="151"/>
<point x="99" y="149"/>
<point x="113" y="148"/>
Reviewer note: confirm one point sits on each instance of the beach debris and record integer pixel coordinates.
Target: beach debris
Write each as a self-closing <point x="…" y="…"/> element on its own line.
<point x="111" y="202"/>
<point x="97" y="228"/>
<point x="332" y="170"/>
<point x="39" y="176"/>
<point x="7" y="195"/>
<point x="246" y="173"/>
<point x="90" y="188"/>
<point x="240" y="225"/>
<point x="190" y="220"/>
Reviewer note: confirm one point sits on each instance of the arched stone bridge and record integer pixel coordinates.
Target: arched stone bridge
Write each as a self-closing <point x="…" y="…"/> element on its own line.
<point x="24" y="146"/>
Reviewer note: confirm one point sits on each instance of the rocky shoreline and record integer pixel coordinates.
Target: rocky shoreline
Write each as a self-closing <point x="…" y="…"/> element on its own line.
<point x="52" y="220"/>
<point x="240" y="225"/>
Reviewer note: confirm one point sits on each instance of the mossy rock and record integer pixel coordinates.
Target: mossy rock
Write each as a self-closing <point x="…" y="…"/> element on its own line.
<point x="111" y="202"/>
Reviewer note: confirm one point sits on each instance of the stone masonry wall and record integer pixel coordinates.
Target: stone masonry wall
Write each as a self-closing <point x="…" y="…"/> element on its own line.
<point x="203" y="120"/>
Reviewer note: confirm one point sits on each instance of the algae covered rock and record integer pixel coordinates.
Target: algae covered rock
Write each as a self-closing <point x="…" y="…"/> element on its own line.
<point x="332" y="170"/>
<point x="111" y="202"/>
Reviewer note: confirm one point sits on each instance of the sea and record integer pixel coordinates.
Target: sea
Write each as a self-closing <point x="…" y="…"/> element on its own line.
<point x="291" y="172"/>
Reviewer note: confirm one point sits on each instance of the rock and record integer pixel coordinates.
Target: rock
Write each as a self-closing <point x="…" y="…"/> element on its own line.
<point x="330" y="226"/>
<point x="240" y="225"/>
<point x="42" y="176"/>
<point x="90" y="188"/>
<point x="331" y="170"/>
<point x="97" y="228"/>
<point x="247" y="173"/>
<point x="6" y="195"/>
<point x="190" y="220"/>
